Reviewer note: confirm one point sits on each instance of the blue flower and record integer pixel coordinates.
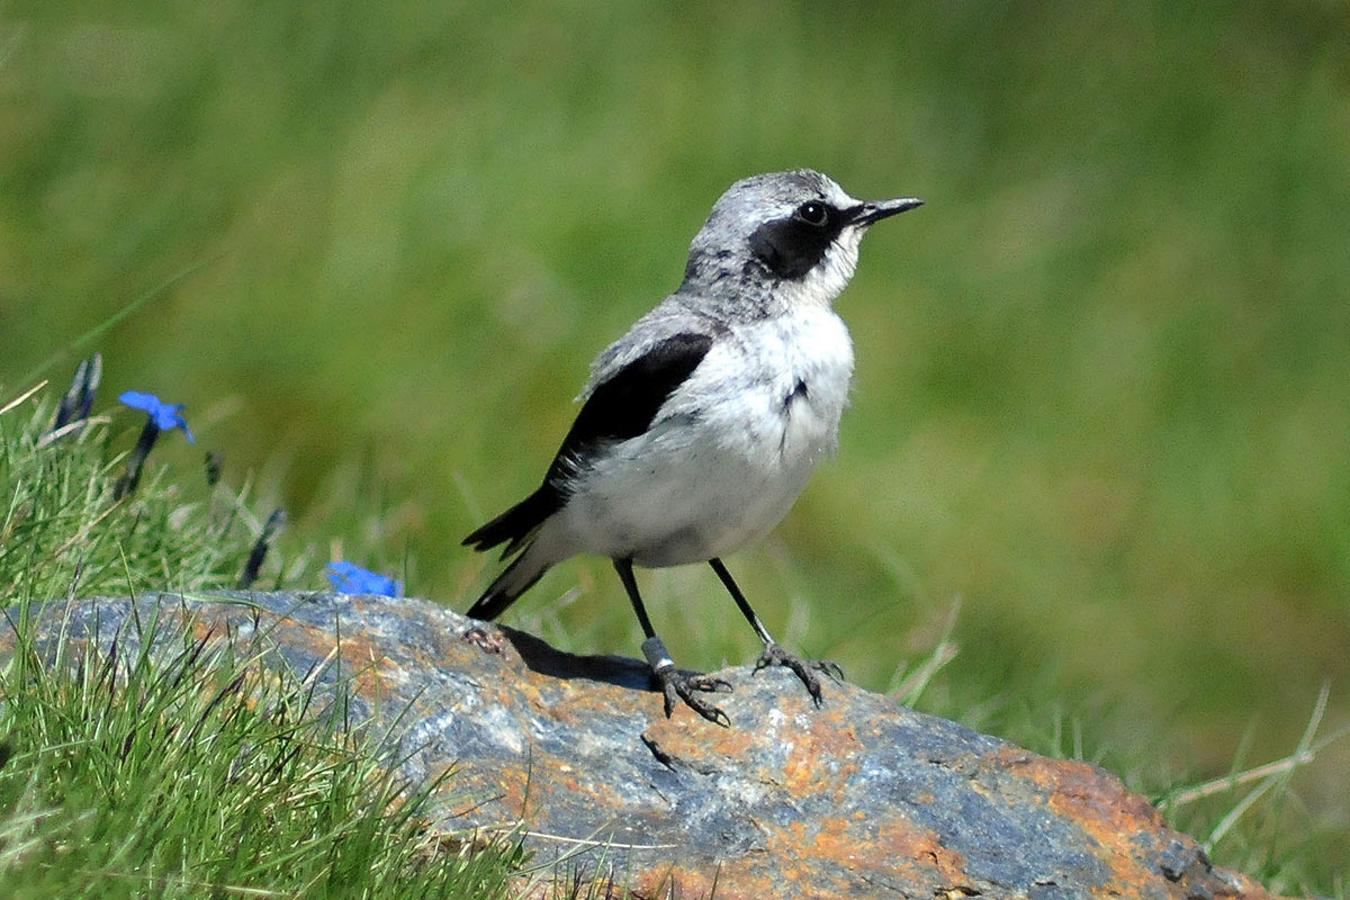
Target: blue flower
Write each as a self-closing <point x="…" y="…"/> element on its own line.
<point x="166" y="416"/>
<point x="162" y="417"/>
<point x="349" y="578"/>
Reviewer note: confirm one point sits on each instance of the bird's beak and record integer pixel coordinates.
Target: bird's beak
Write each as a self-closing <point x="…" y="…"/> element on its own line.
<point x="876" y="210"/>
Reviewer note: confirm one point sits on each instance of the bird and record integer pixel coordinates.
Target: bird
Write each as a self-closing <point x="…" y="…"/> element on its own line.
<point x="699" y="427"/>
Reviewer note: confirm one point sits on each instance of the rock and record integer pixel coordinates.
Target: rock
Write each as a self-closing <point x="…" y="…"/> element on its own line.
<point x="862" y="797"/>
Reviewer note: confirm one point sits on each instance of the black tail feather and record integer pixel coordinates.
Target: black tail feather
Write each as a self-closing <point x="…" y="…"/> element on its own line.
<point x="518" y="578"/>
<point x="515" y="526"/>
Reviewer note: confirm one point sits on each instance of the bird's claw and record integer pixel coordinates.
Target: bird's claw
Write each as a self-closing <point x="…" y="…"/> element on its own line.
<point x="832" y="669"/>
<point x="677" y="686"/>
<point x="804" y="669"/>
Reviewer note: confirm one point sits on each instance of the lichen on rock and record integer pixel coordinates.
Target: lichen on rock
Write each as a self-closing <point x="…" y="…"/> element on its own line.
<point x="862" y="797"/>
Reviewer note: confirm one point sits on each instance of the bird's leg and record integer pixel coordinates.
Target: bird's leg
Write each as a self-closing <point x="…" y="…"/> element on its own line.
<point x="674" y="683"/>
<point x="774" y="654"/>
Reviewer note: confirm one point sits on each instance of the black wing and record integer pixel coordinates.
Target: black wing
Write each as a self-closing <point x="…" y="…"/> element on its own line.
<point x="621" y="407"/>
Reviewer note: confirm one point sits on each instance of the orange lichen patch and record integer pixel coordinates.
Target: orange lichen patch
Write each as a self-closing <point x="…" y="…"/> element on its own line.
<point x="358" y="649"/>
<point x="1098" y="805"/>
<point x="1101" y="806"/>
<point x="826" y="863"/>
<point x="360" y="658"/>
<point x="688" y="737"/>
<point x="202" y="629"/>
<point x="1080" y="789"/>
<point x="688" y="884"/>
<point x="897" y="845"/>
<point x="904" y="840"/>
<point x="537" y="782"/>
<point x="574" y="709"/>
<point x="803" y="772"/>
<point x="809" y="738"/>
<point x="1088" y="794"/>
<point x="833" y="840"/>
<point x="510" y="783"/>
<point x="740" y="879"/>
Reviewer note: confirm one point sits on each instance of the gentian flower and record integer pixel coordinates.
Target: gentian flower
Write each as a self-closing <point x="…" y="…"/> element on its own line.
<point x="165" y="416"/>
<point x="79" y="397"/>
<point x="162" y="417"/>
<point x="349" y="578"/>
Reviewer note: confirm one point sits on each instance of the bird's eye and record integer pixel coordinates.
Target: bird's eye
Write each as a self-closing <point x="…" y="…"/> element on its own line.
<point x="813" y="213"/>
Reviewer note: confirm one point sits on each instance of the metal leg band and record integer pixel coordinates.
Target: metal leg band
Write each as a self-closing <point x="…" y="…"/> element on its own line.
<point x="657" y="655"/>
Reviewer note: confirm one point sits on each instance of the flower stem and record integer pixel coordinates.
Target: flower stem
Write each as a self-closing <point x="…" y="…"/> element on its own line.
<point x="144" y="444"/>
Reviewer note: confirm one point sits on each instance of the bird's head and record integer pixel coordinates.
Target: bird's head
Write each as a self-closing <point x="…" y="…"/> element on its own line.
<point x="798" y="231"/>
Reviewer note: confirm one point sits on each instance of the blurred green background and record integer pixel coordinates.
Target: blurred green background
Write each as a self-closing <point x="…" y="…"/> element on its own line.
<point x="1101" y="416"/>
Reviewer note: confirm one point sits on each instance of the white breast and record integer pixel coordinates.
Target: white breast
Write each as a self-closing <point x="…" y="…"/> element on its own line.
<point x="730" y="451"/>
<point x="815" y="384"/>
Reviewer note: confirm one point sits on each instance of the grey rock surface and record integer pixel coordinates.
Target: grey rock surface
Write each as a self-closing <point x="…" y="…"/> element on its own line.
<point x="862" y="797"/>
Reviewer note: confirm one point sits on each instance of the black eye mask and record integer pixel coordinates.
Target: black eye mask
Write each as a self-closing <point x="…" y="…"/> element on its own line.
<point x="789" y="248"/>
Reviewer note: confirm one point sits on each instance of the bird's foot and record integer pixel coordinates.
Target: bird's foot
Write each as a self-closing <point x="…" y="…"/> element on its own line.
<point x="805" y="669"/>
<point x="677" y="685"/>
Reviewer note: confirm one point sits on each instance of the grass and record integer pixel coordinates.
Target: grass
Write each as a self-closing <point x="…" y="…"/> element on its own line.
<point x="192" y="770"/>
<point x="1102" y="399"/>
